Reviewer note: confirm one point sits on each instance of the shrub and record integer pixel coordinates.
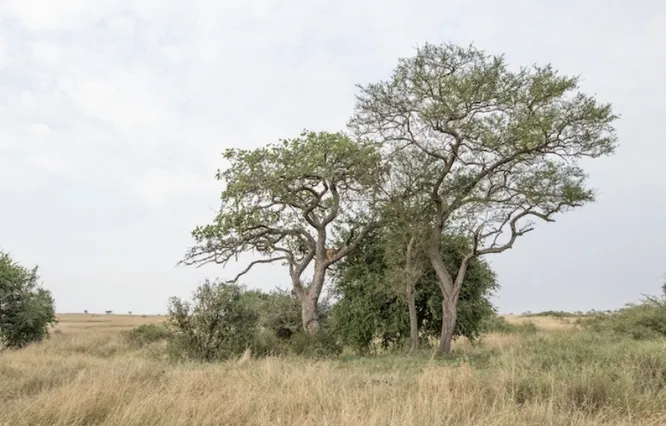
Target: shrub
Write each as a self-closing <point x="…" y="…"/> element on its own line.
<point x="369" y="310"/>
<point x="320" y="345"/>
<point x="282" y="314"/>
<point x="218" y="324"/>
<point x="645" y="320"/>
<point x="267" y="343"/>
<point x="279" y="311"/>
<point x="145" y="334"/>
<point x="554" y="314"/>
<point x="26" y="310"/>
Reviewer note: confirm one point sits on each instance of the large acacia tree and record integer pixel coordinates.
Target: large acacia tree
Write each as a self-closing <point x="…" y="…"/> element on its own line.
<point x="287" y="203"/>
<point x="499" y="148"/>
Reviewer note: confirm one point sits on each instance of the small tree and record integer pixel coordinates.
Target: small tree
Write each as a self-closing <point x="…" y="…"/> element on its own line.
<point x="26" y="310"/>
<point x="108" y="312"/>
<point x="218" y="324"/>
<point x="497" y="148"/>
<point x="286" y="202"/>
<point x="369" y="306"/>
<point x="85" y="311"/>
<point x="403" y="236"/>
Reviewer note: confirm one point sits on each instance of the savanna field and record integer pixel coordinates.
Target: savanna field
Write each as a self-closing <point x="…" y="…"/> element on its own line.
<point x="556" y="373"/>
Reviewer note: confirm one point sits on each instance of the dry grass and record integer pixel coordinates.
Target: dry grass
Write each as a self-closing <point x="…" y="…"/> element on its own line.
<point x="87" y="374"/>
<point x="543" y="323"/>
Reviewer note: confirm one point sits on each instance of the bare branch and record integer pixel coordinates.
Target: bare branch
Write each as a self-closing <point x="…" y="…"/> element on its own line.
<point x="352" y="243"/>
<point x="258" y="262"/>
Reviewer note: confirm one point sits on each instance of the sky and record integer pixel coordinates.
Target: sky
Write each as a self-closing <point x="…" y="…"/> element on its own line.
<point x="114" y="114"/>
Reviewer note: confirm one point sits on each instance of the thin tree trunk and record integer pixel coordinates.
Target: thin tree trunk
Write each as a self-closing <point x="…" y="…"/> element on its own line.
<point x="411" y="277"/>
<point x="413" y="320"/>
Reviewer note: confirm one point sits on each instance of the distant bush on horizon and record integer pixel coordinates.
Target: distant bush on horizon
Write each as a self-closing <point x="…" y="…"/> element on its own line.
<point x="642" y="321"/>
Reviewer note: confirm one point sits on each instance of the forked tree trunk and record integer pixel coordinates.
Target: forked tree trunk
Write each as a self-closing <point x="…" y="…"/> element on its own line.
<point x="450" y="294"/>
<point x="449" y="298"/>
<point x="413" y="320"/>
<point x="449" y="315"/>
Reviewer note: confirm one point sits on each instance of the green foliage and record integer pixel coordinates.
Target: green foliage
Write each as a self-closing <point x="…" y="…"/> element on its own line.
<point x="217" y="325"/>
<point x="479" y="285"/>
<point x="274" y="194"/>
<point x="554" y="314"/>
<point x="224" y="320"/>
<point x="26" y="310"/>
<point x="283" y="202"/>
<point x="266" y="343"/>
<point x="509" y="140"/>
<point x="279" y="311"/>
<point x="145" y="334"/>
<point x="281" y="327"/>
<point x="319" y="345"/>
<point x="641" y="321"/>
<point x="367" y="309"/>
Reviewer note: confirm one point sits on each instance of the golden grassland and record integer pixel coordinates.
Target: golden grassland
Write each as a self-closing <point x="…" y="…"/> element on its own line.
<point x="543" y="323"/>
<point x="88" y="374"/>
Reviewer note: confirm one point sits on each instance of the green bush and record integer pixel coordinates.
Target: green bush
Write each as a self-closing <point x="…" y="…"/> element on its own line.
<point x="282" y="314"/>
<point x="267" y="343"/>
<point x="645" y="320"/>
<point x="26" y="310"/>
<point x="218" y="324"/>
<point x="368" y="311"/>
<point x="146" y="334"/>
<point x="319" y="345"/>
<point x="279" y="311"/>
<point x="223" y="320"/>
<point x="555" y="314"/>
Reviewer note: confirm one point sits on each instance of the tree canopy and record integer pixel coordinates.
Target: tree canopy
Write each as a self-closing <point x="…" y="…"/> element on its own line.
<point x="285" y="202"/>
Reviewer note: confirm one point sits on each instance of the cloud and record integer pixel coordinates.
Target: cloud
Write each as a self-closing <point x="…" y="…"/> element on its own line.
<point x="112" y="102"/>
<point x="40" y="15"/>
<point x="155" y="186"/>
<point x="116" y="111"/>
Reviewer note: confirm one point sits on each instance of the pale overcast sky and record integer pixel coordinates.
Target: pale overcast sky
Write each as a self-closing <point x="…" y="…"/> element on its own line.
<point x="113" y="115"/>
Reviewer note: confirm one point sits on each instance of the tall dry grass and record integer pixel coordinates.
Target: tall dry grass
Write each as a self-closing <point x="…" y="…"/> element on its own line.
<point x="87" y="374"/>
